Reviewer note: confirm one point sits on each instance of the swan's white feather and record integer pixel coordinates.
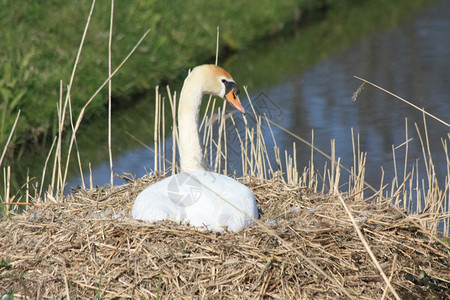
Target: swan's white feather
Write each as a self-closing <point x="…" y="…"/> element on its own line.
<point x="194" y="198"/>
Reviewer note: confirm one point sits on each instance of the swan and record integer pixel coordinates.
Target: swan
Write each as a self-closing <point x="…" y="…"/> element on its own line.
<point x="198" y="196"/>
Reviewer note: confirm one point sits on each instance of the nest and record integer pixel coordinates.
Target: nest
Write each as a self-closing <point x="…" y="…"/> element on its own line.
<point x="88" y="247"/>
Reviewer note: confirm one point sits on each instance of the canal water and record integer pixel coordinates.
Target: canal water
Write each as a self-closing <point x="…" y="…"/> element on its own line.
<point x="411" y="60"/>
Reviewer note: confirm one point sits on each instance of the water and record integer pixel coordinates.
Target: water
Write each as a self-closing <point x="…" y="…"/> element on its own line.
<point x="412" y="61"/>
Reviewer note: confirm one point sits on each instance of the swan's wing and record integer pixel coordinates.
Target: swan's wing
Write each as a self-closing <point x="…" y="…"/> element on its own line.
<point x="198" y="198"/>
<point x="229" y="211"/>
<point x="155" y="204"/>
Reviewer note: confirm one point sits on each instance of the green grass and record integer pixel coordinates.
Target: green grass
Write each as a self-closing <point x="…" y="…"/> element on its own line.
<point x="4" y="264"/>
<point x="98" y="291"/>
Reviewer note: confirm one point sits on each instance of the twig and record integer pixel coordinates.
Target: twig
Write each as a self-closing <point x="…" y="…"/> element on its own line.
<point x="9" y="138"/>
<point x="366" y="245"/>
<point x="110" y="94"/>
<point x="404" y="100"/>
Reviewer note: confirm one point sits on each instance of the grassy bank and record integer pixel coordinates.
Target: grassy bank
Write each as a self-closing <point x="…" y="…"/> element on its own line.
<point x="40" y="41"/>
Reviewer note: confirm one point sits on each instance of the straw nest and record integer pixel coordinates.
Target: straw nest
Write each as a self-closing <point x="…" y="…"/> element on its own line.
<point x="89" y="247"/>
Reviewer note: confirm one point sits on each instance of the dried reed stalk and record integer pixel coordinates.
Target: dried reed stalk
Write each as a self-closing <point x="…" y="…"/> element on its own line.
<point x="111" y="22"/>
<point x="5" y="147"/>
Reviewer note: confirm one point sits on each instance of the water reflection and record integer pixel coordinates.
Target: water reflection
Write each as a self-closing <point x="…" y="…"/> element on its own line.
<point x="412" y="61"/>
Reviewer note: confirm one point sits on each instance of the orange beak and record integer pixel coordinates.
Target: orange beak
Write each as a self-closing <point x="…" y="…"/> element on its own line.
<point x="234" y="100"/>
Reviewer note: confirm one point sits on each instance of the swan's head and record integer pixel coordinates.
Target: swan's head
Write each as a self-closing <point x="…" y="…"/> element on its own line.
<point x="218" y="82"/>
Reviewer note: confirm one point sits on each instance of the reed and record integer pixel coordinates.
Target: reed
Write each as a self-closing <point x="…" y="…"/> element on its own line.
<point x="110" y="94"/>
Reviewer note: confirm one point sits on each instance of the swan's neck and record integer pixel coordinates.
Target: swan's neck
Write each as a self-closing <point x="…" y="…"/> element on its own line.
<point x="191" y="157"/>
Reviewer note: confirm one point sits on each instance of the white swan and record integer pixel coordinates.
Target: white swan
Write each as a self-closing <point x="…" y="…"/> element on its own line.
<point x="197" y="195"/>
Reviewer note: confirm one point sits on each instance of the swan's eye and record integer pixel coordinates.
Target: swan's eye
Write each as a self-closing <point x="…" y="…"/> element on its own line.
<point x="230" y="86"/>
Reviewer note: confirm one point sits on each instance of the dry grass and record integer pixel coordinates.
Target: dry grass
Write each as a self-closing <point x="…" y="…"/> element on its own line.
<point x="88" y="246"/>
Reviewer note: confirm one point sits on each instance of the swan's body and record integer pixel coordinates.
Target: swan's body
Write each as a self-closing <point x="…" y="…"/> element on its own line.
<point x="198" y="196"/>
<point x="192" y="197"/>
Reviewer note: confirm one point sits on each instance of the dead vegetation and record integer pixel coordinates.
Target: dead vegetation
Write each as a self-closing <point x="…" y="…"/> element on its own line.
<point x="87" y="247"/>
